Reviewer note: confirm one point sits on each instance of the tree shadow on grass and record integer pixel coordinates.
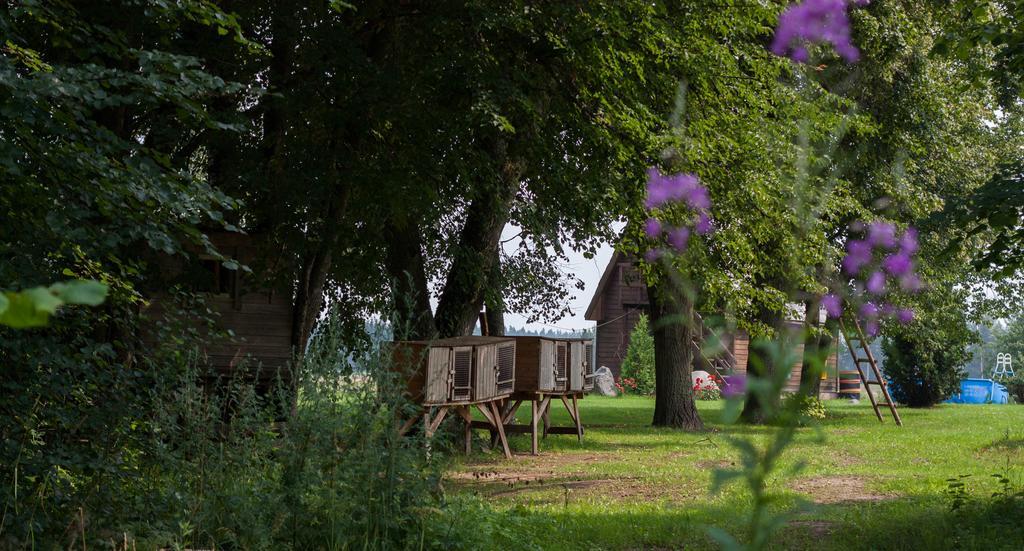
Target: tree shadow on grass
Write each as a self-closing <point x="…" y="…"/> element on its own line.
<point x="898" y="524"/>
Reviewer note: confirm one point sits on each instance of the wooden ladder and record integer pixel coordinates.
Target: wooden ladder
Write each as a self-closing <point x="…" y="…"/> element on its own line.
<point x="867" y="358"/>
<point x="723" y="364"/>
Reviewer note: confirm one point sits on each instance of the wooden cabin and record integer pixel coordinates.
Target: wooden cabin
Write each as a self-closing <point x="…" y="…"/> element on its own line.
<point x="257" y="314"/>
<point x="620" y="299"/>
<point x="457" y="370"/>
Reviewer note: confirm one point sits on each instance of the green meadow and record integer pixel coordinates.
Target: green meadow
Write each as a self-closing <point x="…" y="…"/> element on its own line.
<point x="858" y="483"/>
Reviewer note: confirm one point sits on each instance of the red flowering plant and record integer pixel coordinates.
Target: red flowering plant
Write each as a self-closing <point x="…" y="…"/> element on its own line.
<point x="625" y="384"/>
<point x="706" y="389"/>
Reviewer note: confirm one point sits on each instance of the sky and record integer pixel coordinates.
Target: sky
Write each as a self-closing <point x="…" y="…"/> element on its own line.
<point x="589" y="271"/>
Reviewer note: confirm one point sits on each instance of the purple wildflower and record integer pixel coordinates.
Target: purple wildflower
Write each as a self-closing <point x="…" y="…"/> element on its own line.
<point x="882" y="234"/>
<point x="685" y="187"/>
<point x="735" y="386"/>
<point x="652" y="255"/>
<point x="898" y="264"/>
<point x="905" y="315"/>
<point x="703" y="226"/>
<point x="697" y="196"/>
<point x="833" y="305"/>
<point x="858" y="254"/>
<point x="652" y="228"/>
<point x="871" y="328"/>
<point x="876" y="283"/>
<point x="869" y="310"/>
<point x="908" y="242"/>
<point x="814" y="21"/>
<point x="910" y="282"/>
<point x="679" y="238"/>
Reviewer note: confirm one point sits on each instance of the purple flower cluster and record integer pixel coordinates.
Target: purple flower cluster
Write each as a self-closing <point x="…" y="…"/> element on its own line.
<point x="815" y="21"/>
<point x="735" y="386"/>
<point x="877" y="264"/>
<point x="684" y="189"/>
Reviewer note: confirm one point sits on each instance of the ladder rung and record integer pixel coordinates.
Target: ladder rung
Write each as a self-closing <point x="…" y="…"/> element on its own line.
<point x="879" y="383"/>
<point x="863" y="360"/>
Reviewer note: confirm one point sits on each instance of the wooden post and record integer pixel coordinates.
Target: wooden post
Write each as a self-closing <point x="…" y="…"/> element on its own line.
<point x="501" y="431"/>
<point x="469" y="434"/>
<point x="427" y="434"/>
<point x="547" y="415"/>
<point x="579" y="422"/>
<point x="533" y="426"/>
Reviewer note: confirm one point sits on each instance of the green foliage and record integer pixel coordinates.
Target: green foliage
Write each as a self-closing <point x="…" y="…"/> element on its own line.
<point x="808" y="409"/>
<point x="1015" y="385"/>
<point x="1011" y="341"/>
<point x="924" y="359"/>
<point x="638" y="364"/>
<point x="33" y="307"/>
<point x="996" y="510"/>
<point x="209" y="465"/>
<point x="760" y="463"/>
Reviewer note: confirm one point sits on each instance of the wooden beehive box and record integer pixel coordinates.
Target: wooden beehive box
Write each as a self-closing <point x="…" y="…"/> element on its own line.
<point x="457" y="370"/>
<point x="581" y="366"/>
<point x="542" y="364"/>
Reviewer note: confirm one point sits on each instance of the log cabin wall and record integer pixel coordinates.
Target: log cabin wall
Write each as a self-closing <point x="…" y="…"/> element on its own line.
<point x="259" y="316"/>
<point x="621" y="298"/>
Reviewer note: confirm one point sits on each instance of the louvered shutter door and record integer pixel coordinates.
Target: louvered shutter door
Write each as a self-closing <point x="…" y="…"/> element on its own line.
<point x="462" y="374"/>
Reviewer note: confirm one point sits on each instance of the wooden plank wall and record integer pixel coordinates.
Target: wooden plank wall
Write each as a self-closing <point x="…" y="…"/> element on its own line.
<point x="262" y="325"/>
<point x="741" y="349"/>
<point x="625" y="298"/>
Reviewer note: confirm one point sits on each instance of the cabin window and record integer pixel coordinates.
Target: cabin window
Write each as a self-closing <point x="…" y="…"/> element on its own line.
<point x="215" y="278"/>
<point x="629" y="277"/>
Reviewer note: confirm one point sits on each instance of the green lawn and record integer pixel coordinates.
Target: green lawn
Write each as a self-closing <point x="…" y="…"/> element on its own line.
<point x="868" y="484"/>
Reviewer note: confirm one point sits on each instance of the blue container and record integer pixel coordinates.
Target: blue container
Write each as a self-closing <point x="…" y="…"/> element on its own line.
<point x="980" y="391"/>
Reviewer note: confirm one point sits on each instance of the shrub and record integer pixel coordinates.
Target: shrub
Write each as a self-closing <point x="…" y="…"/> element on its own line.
<point x="177" y="471"/>
<point x="1015" y="385"/>
<point x="639" y="362"/>
<point x="805" y="408"/>
<point x="924" y="359"/>
<point x="335" y="475"/>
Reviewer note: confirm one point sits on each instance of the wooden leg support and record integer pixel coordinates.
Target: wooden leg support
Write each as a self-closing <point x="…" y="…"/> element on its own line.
<point x="467" y="416"/>
<point x="501" y="431"/>
<point x="576" y="416"/>
<point x="545" y="416"/>
<point x="508" y="413"/>
<point x="534" y="408"/>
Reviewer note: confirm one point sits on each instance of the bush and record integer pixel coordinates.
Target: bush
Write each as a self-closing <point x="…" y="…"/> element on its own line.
<point x="335" y="475"/>
<point x="1015" y="385"/>
<point x="639" y="362"/>
<point x="924" y="359"/>
<point x="805" y="408"/>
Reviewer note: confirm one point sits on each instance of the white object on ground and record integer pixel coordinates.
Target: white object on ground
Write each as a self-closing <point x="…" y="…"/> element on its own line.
<point x="604" y="382"/>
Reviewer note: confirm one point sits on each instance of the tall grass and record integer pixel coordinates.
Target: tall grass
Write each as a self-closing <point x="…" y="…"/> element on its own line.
<point x="227" y="473"/>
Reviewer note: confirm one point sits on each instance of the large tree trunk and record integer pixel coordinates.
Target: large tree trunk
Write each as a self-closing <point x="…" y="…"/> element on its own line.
<point x="464" y="289"/>
<point x="816" y="350"/>
<point x="413" y="319"/>
<point x="494" y="301"/>
<point x="309" y="294"/>
<point x="672" y="328"/>
<point x="762" y="364"/>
